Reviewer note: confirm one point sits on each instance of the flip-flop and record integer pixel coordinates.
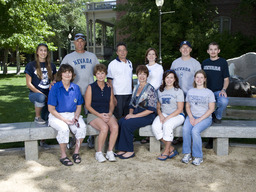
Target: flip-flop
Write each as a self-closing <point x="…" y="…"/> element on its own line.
<point x="122" y="157"/>
<point x="163" y="159"/>
<point x="75" y="158"/>
<point x="173" y="153"/>
<point x="65" y="161"/>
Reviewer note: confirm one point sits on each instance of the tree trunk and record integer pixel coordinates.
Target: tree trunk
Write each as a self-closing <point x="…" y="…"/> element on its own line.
<point x="18" y="60"/>
<point x="5" y="60"/>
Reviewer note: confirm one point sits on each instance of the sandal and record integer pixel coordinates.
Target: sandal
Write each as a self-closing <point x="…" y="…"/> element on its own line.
<point x="66" y="161"/>
<point x="163" y="159"/>
<point x="76" y="158"/>
<point x="173" y="153"/>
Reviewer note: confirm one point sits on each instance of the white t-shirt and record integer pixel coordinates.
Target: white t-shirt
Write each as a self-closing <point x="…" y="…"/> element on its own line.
<point x="169" y="98"/>
<point x="199" y="100"/>
<point x="185" y="71"/>
<point x="155" y="75"/>
<point x="121" y="75"/>
<point x="83" y="64"/>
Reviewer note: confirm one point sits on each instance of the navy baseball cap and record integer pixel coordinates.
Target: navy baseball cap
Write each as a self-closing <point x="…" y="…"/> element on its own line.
<point x="185" y="43"/>
<point x="80" y="36"/>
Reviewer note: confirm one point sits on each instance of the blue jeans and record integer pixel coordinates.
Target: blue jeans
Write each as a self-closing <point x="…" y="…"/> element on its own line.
<point x="221" y="104"/>
<point x="192" y="136"/>
<point x="38" y="99"/>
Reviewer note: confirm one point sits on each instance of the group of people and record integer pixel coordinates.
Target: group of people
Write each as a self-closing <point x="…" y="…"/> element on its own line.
<point x="186" y="93"/>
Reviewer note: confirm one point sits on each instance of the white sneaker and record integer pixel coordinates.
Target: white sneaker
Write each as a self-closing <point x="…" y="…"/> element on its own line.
<point x="187" y="157"/>
<point x="99" y="157"/>
<point x="197" y="161"/>
<point x="110" y="156"/>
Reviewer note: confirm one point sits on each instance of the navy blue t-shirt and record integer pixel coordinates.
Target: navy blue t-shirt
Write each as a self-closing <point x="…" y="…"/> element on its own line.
<point x="100" y="98"/>
<point x="40" y="84"/>
<point x="216" y="72"/>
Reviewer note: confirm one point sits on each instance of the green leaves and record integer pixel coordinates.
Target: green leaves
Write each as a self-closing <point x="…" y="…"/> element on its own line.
<point x="25" y="24"/>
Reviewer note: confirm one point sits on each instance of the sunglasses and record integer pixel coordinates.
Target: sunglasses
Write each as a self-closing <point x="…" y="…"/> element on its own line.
<point x="79" y="36"/>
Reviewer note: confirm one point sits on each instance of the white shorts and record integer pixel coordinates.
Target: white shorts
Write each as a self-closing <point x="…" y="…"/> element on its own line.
<point x="165" y="130"/>
<point x="63" y="128"/>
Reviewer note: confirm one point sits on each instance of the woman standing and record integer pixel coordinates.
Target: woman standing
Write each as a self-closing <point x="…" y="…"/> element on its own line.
<point x="170" y="112"/>
<point x="200" y="104"/>
<point x="141" y="113"/>
<point x="155" y="70"/>
<point x="65" y="103"/>
<point x="155" y="74"/>
<point x="100" y="104"/>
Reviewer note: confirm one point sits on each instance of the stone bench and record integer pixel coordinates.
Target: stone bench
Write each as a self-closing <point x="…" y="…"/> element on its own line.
<point x="30" y="133"/>
<point x="220" y="132"/>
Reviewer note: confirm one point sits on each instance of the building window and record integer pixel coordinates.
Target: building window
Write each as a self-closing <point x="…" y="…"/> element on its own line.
<point x="223" y="23"/>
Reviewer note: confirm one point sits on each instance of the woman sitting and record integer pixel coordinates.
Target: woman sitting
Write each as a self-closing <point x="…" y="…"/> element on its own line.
<point x="64" y="103"/>
<point x="170" y="112"/>
<point x="141" y="113"/>
<point x="200" y="104"/>
<point x="100" y="104"/>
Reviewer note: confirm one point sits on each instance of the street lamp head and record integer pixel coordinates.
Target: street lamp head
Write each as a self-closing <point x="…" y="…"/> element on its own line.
<point x="159" y="3"/>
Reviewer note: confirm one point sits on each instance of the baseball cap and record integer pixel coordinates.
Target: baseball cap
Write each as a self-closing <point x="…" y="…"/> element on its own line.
<point x="185" y="43"/>
<point x="80" y="36"/>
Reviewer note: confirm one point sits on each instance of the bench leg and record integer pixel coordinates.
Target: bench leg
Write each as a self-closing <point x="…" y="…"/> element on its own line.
<point x="220" y="146"/>
<point x="31" y="150"/>
<point x="154" y="145"/>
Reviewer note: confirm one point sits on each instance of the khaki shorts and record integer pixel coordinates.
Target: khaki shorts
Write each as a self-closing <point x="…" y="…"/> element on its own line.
<point x="91" y="117"/>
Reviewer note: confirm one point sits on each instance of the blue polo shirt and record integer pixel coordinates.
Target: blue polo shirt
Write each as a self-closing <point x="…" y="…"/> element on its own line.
<point x="65" y="101"/>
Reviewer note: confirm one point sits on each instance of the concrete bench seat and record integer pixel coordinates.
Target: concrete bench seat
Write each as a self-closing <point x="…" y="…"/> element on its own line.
<point x="220" y="132"/>
<point x="30" y="133"/>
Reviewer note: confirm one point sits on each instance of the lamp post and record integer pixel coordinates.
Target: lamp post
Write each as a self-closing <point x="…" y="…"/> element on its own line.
<point x="159" y="4"/>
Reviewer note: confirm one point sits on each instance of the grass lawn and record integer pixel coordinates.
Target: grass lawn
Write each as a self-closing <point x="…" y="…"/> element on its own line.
<point x="12" y="68"/>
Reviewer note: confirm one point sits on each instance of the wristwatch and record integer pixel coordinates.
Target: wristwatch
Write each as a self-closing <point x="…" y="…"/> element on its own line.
<point x="224" y="90"/>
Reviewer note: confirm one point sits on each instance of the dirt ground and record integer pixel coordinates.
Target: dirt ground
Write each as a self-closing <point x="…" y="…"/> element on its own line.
<point x="235" y="172"/>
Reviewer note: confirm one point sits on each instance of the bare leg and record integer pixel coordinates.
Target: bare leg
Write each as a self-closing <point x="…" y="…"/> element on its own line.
<point x="113" y="126"/>
<point x="100" y="125"/>
<point x="166" y="148"/>
<point x="38" y="111"/>
<point x="63" y="150"/>
<point x="78" y="145"/>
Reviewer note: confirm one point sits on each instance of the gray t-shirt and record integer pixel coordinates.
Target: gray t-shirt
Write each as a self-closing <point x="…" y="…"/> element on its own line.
<point x="169" y="98"/>
<point x="83" y="64"/>
<point x="185" y="71"/>
<point x="199" y="100"/>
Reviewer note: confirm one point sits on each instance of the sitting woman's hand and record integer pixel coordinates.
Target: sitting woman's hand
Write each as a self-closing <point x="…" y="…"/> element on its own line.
<point x="192" y="120"/>
<point x="162" y="118"/>
<point x="69" y="122"/>
<point x="129" y="116"/>
<point x="105" y="117"/>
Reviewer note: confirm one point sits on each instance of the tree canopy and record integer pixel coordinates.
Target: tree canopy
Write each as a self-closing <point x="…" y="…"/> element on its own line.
<point x="192" y="21"/>
<point x="24" y="23"/>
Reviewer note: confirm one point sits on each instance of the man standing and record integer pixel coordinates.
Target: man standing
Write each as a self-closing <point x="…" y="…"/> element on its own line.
<point x="120" y="78"/>
<point x="185" y="68"/>
<point x="217" y="72"/>
<point x="83" y="63"/>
